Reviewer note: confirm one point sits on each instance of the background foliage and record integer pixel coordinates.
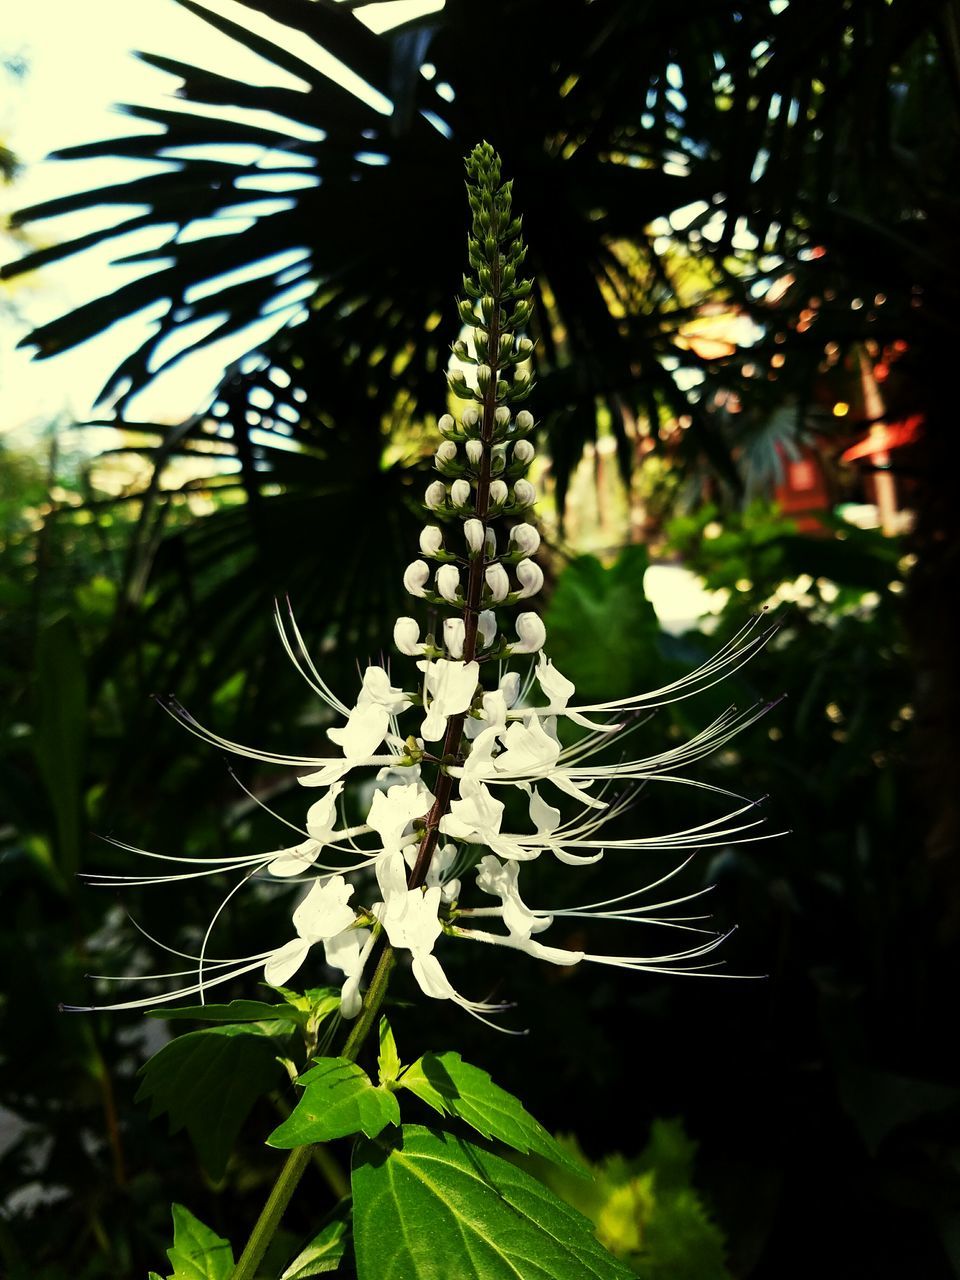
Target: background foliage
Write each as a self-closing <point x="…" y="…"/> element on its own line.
<point x="820" y="1100"/>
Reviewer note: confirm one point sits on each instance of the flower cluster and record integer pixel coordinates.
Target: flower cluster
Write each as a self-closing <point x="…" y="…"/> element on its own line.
<point x="432" y="859"/>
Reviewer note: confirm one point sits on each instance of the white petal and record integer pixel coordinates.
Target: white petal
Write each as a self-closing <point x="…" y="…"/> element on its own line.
<point x="324" y="911"/>
<point x="364" y="731"/>
<point x="322" y="815"/>
<point x="291" y="862"/>
<point x="544" y="817"/>
<point x="285" y="962"/>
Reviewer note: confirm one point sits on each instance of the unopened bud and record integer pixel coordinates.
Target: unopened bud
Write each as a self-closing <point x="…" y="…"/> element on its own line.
<point x="446" y="452"/>
<point x="446" y="424"/>
<point x="431" y="540"/>
<point x="524" y="494"/>
<point x="487" y="627"/>
<point x="470" y="416"/>
<point x="501" y="416"/>
<point x="415" y="577"/>
<point x="498" y="492"/>
<point x="460" y="493"/>
<point x="530" y="577"/>
<point x="453" y="630"/>
<point x="406" y="636"/>
<point x="436" y="495"/>
<point x="524" y="420"/>
<point x="497" y="581"/>
<point x="524" y="538"/>
<point x="448" y="582"/>
<point x="532" y="633"/>
<point x="473" y="534"/>
<point x="474" y="452"/>
<point x="523" y="452"/>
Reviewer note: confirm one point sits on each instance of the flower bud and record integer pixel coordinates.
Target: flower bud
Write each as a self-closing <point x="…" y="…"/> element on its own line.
<point x="470" y="416"/>
<point x="501" y="416"/>
<point x="448" y="582"/>
<point x="453" y="637"/>
<point x="474" y="452"/>
<point x="523" y="452"/>
<point x="524" y="494"/>
<point x="498" y="492"/>
<point x="431" y="540"/>
<point x="483" y="376"/>
<point x="523" y="538"/>
<point x="473" y="532"/>
<point x="415" y="577"/>
<point x="498" y="458"/>
<point x="532" y="633"/>
<point x="497" y="581"/>
<point x="436" y="495"/>
<point x="447" y="452"/>
<point x="530" y="577"/>
<point x="490" y="544"/>
<point x="406" y="636"/>
<point x="487" y="627"/>
<point x="460" y="493"/>
<point x="524" y="420"/>
<point x="446" y="424"/>
<point x="524" y="346"/>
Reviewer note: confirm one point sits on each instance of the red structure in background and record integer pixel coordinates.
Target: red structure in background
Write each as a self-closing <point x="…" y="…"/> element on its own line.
<point x="803" y="492"/>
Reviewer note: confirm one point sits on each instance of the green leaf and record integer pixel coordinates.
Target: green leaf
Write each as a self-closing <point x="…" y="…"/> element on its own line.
<point x="340" y="1099"/>
<point x="197" y="1253"/>
<point x="207" y="1082"/>
<point x="435" y="1206"/>
<point x="389" y="1060"/>
<point x="322" y="1254"/>
<point x="455" y="1088"/>
<point x="235" y="1011"/>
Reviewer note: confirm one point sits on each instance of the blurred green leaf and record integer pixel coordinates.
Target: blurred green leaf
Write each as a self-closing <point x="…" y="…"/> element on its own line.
<point x="207" y="1082"/>
<point x="59" y="734"/>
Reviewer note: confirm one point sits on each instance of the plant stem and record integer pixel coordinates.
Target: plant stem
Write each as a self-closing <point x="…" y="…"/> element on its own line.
<point x="298" y="1159"/>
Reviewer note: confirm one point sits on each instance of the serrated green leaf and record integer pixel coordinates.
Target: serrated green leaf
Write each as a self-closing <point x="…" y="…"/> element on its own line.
<point x="456" y="1088"/>
<point x="197" y="1252"/>
<point x="207" y="1082"/>
<point x="321" y="1255"/>
<point x="340" y="1099"/>
<point x="434" y="1206"/>
<point x="235" y="1011"/>
<point x="389" y="1059"/>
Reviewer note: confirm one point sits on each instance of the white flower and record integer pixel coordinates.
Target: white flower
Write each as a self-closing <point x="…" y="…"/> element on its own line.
<point x="474" y="452"/>
<point x="348" y="951"/>
<point x="406" y="636"/>
<point x="449" y="688"/>
<point x="431" y="539"/>
<point x="415" y="577"/>
<point x="501" y="416"/>
<point x="322" y="914"/>
<point x="501" y="880"/>
<point x="393" y="810"/>
<point x="523" y="452"/>
<point x="475" y="816"/>
<point x="498" y="493"/>
<point x="524" y="420"/>
<point x="448" y="583"/>
<point x="470" y="416"/>
<point x="525" y="538"/>
<point x="445" y="423"/>
<point x="530" y="577"/>
<point x="321" y="822"/>
<point x="446" y="452"/>
<point x="497" y="581"/>
<point x="524" y="494"/>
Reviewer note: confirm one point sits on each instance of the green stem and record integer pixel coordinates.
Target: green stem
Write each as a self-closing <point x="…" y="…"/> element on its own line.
<point x="298" y="1159"/>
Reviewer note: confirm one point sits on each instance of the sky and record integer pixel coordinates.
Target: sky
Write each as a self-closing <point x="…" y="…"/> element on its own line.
<point x="78" y="64"/>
